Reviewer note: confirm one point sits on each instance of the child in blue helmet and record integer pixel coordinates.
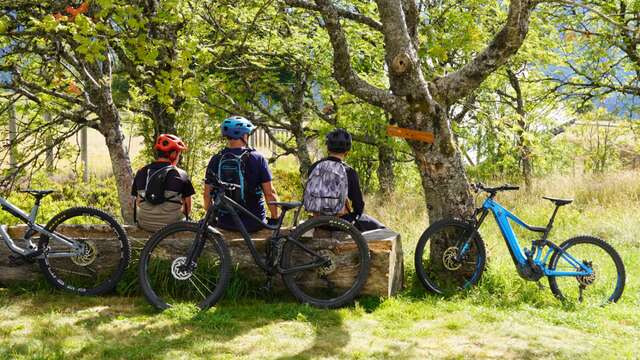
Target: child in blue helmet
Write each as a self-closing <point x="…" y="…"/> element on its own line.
<point x="255" y="172"/>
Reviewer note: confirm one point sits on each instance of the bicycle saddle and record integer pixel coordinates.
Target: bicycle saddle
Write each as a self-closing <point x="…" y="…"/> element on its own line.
<point x="558" y="202"/>
<point x="38" y="193"/>
<point x="286" y="205"/>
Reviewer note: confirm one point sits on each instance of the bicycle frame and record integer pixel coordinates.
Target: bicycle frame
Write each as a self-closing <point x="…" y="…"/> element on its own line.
<point x="518" y="254"/>
<point x="221" y="201"/>
<point x="30" y="220"/>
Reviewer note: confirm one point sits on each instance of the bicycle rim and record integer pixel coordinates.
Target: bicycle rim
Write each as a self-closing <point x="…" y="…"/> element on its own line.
<point x="165" y="278"/>
<point x="436" y="261"/>
<point x="106" y="255"/>
<point x="342" y="256"/>
<point x="606" y="283"/>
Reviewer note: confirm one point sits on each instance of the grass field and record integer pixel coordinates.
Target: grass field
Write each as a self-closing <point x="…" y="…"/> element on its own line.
<point x="505" y="317"/>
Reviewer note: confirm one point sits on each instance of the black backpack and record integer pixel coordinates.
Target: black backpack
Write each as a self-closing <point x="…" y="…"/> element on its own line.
<point x="156" y="185"/>
<point x="232" y="169"/>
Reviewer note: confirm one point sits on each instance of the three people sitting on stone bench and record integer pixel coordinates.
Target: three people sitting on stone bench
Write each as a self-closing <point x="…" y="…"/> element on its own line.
<point x="163" y="191"/>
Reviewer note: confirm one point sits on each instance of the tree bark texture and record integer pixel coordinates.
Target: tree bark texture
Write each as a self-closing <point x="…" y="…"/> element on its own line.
<point x="386" y="175"/>
<point x="110" y="127"/>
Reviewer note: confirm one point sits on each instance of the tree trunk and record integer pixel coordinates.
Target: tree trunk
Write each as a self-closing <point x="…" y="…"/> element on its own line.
<point x="110" y="128"/>
<point x="163" y="121"/>
<point x="444" y="181"/>
<point x="386" y="176"/>
<point x="302" y="151"/>
<point x="527" y="169"/>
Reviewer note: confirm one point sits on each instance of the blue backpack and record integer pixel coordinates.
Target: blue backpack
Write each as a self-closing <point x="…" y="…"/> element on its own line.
<point x="232" y="169"/>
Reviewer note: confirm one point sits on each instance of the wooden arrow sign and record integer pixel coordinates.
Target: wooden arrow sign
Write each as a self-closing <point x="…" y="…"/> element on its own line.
<point x="410" y="134"/>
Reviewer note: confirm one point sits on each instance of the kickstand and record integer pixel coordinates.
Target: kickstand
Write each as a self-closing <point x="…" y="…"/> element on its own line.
<point x="581" y="288"/>
<point x="540" y="286"/>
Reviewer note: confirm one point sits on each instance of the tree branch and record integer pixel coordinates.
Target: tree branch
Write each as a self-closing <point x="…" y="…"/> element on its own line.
<point x="346" y="14"/>
<point x="343" y="71"/>
<point x="506" y="43"/>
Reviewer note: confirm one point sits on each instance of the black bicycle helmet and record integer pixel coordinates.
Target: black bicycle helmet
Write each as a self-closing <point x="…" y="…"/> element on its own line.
<point x="339" y="141"/>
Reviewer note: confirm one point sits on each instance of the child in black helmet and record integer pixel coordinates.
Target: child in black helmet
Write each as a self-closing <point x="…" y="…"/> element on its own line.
<point x="338" y="145"/>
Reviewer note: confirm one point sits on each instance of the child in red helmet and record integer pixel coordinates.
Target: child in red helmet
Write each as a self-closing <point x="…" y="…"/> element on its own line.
<point x="162" y="190"/>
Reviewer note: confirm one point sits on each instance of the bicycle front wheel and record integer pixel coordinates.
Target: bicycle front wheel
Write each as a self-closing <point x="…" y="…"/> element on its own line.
<point x="438" y="265"/>
<point x="106" y="256"/>
<point x="166" y="280"/>
<point x="603" y="286"/>
<point x="325" y="262"/>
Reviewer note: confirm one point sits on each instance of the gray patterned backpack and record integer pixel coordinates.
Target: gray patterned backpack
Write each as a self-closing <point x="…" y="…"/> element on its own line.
<point x="327" y="189"/>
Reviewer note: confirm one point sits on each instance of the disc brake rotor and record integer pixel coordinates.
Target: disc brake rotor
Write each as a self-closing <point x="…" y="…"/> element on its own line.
<point x="89" y="256"/>
<point x="331" y="266"/>
<point x="449" y="259"/>
<point x="178" y="269"/>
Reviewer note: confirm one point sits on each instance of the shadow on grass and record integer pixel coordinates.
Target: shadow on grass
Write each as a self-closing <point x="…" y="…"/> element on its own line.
<point x="129" y="328"/>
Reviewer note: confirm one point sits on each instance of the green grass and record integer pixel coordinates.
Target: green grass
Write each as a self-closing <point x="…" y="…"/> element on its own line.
<point x="504" y="317"/>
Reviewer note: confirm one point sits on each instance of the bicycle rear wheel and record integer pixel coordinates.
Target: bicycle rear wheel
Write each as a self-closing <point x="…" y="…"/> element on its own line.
<point x="336" y="257"/>
<point x="604" y="286"/>
<point x="163" y="277"/>
<point x="106" y="255"/>
<point x="436" y="256"/>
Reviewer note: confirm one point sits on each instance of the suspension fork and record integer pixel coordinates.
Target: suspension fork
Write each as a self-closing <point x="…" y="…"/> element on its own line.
<point x="465" y="246"/>
<point x="195" y="250"/>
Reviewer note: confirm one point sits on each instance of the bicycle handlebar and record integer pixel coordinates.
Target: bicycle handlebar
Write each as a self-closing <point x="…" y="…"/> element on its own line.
<point x="492" y="190"/>
<point x="223" y="185"/>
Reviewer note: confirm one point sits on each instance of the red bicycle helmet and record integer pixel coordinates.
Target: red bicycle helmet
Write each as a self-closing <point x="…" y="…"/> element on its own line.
<point x="170" y="144"/>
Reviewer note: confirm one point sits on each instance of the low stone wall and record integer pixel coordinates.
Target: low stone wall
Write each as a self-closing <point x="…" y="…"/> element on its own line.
<point x="385" y="276"/>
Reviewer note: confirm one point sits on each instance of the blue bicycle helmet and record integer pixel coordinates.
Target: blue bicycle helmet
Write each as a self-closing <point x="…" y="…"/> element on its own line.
<point x="236" y="126"/>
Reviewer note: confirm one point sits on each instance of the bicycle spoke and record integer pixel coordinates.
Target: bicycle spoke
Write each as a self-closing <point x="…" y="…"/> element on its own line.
<point x="325" y="269"/>
<point x="73" y="272"/>
<point x="201" y="283"/>
<point x="602" y="284"/>
<point x="165" y="281"/>
<point x="197" y="288"/>
<point x="105" y="257"/>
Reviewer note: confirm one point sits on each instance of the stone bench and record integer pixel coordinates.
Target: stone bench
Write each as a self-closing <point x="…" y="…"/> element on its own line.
<point x="385" y="275"/>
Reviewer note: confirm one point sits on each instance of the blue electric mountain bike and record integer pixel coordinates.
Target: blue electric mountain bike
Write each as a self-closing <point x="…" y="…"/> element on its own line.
<point x="450" y="256"/>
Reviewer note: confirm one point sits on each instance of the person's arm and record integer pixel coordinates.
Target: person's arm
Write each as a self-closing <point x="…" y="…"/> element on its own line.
<point x="186" y="206"/>
<point x="207" y="196"/>
<point x="209" y="178"/>
<point x="355" y="194"/>
<point x="270" y="195"/>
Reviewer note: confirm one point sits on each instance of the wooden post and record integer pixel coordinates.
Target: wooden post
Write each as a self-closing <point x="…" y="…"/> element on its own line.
<point x="13" y="134"/>
<point x="84" y="154"/>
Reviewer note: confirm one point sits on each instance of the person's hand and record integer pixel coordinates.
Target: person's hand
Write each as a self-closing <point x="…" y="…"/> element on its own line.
<point x="272" y="221"/>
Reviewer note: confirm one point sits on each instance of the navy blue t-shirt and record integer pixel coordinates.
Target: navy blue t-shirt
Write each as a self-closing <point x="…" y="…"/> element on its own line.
<point x="256" y="173"/>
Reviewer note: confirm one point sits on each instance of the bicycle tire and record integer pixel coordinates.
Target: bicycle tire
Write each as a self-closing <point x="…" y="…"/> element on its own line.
<point x="219" y="246"/>
<point x="114" y="277"/>
<point x="363" y="259"/>
<point x="428" y="280"/>
<point x="609" y="250"/>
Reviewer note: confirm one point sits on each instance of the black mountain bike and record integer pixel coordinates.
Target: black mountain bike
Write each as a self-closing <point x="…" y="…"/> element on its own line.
<point x="324" y="261"/>
<point x="68" y="259"/>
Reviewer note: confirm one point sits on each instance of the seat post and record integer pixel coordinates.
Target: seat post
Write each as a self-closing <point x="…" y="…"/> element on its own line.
<point x="34" y="210"/>
<point x="551" y="221"/>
